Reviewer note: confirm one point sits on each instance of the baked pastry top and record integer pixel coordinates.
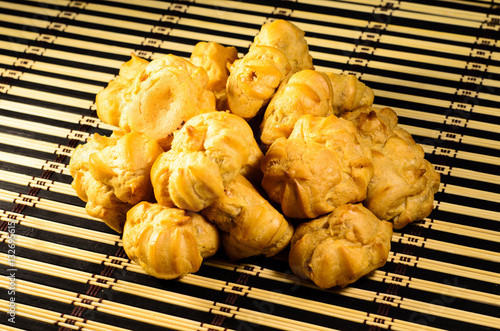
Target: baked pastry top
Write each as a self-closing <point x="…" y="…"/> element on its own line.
<point x="208" y="152"/>
<point x="215" y="59"/>
<point x="112" y="174"/>
<point x="288" y="38"/>
<point x="111" y="99"/>
<point x="254" y="78"/>
<point x="349" y="93"/>
<point x="278" y="49"/>
<point x="404" y="182"/>
<point x="250" y="225"/>
<point x="311" y="92"/>
<point x="169" y="91"/>
<point x="320" y="166"/>
<point x="341" y="247"/>
<point x="126" y="166"/>
<point x="168" y="242"/>
<point x="305" y="92"/>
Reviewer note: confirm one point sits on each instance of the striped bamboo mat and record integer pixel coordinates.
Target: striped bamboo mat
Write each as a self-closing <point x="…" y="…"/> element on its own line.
<point x="436" y="63"/>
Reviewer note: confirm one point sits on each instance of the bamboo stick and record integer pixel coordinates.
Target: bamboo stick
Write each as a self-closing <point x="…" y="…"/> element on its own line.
<point x="40" y="128"/>
<point x="438" y="288"/>
<point x="463" y="230"/>
<point x="34" y="163"/>
<point x="55" y="227"/>
<point x="57" y="98"/>
<point x="39" y="111"/>
<point x="42" y="203"/>
<point x="58" y="82"/>
<point x="447" y="247"/>
<point x="402" y="280"/>
<point x="32" y="181"/>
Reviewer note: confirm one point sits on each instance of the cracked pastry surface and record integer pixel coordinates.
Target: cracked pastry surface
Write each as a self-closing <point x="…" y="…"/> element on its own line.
<point x="349" y="93"/>
<point x="100" y="200"/>
<point x="288" y="38"/>
<point x="320" y="166"/>
<point x="126" y="166"/>
<point x="404" y="182"/>
<point x="250" y="225"/>
<point x="169" y="91"/>
<point x="111" y="99"/>
<point x="168" y="242"/>
<point x="341" y="247"/>
<point x="112" y="174"/>
<point x="254" y="79"/>
<point x="208" y="152"/>
<point x="278" y="49"/>
<point x="311" y="92"/>
<point x="305" y="92"/>
<point x="215" y="59"/>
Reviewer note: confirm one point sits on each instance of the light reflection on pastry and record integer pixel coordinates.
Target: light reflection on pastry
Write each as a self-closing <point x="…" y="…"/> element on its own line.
<point x="320" y="166"/>
<point x="167" y="242"/>
<point x="126" y="166"/>
<point x="404" y="182"/>
<point x="112" y="174"/>
<point x="341" y="247"/>
<point x="287" y="37"/>
<point x="207" y="154"/>
<point x="100" y="201"/>
<point x="278" y="49"/>
<point x="169" y="91"/>
<point x="110" y="100"/>
<point x="254" y="79"/>
<point x="215" y="59"/>
<point x="305" y="92"/>
<point x="332" y="161"/>
<point x="311" y="92"/>
<point x="250" y="225"/>
<point x="349" y="93"/>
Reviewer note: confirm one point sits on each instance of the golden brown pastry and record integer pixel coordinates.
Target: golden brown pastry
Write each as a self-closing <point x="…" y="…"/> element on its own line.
<point x="112" y="174"/>
<point x="254" y="79"/>
<point x="288" y="38"/>
<point x="126" y="166"/>
<point x="250" y="225"/>
<point x="311" y="92"/>
<point x="167" y="242"/>
<point x="320" y="166"/>
<point x="101" y="202"/>
<point x="278" y="49"/>
<point x="110" y="100"/>
<point x="187" y="180"/>
<point x="100" y="199"/>
<point x="215" y="59"/>
<point x="79" y="161"/>
<point x="404" y="182"/>
<point x="169" y="91"/>
<point x="374" y="125"/>
<point x="208" y="152"/>
<point x="341" y="247"/>
<point x="305" y="92"/>
<point x="349" y="93"/>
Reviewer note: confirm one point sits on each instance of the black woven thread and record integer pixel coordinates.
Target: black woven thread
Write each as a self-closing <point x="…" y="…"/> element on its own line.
<point x="94" y="290"/>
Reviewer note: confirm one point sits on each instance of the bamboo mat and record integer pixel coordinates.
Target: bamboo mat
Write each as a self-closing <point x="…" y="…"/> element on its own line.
<point x="436" y="63"/>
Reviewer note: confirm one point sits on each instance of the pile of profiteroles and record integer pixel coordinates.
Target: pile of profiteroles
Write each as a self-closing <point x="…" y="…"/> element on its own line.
<point x="257" y="154"/>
